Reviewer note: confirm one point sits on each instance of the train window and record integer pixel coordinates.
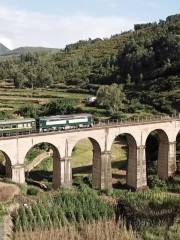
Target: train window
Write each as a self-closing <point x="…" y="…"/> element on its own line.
<point x="14" y="126"/>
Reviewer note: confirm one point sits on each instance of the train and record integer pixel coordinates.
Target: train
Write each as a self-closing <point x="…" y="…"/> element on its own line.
<point x="45" y="124"/>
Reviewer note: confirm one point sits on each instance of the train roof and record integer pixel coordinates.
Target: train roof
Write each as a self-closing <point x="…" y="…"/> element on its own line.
<point x="72" y="116"/>
<point x="14" y="121"/>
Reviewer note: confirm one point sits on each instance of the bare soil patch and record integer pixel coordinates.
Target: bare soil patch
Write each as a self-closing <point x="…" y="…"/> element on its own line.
<point x="8" y="191"/>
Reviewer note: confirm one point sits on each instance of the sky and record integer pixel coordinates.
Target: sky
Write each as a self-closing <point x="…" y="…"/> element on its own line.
<point x="56" y="23"/>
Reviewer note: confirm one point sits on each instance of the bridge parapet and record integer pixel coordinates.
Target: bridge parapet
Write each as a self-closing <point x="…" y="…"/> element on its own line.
<point x="139" y="120"/>
<point x="106" y="123"/>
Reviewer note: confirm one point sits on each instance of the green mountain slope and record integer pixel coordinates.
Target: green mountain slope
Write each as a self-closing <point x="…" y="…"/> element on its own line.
<point x="26" y="50"/>
<point x="146" y="62"/>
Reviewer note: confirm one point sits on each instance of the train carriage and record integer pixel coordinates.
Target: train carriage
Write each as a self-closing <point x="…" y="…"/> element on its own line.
<point x="13" y="126"/>
<point x="61" y="122"/>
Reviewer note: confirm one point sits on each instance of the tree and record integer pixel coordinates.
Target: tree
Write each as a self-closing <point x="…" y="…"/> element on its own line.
<point x="112" y="98"/>
<point x="58" y="106"/>
<point x="44" y="78"/>
<point x="29" y="110"/>
<point x="20" y="80"/>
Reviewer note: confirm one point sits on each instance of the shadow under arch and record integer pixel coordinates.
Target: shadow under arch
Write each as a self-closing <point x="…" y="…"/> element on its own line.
<point x="94" y="157"/>
<point x="157" y="150"/>
<point x="5" y="166"/>
<point x="131" y="162"/>
<point x="48" y="151"/>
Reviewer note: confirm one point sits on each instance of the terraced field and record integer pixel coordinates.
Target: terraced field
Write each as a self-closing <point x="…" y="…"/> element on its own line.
<point x="12" y="99"/>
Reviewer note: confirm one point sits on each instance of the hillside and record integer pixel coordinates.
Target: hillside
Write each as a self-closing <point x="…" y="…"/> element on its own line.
<point x="3" y="49"/>
<point x="146" y="62"/>
<point x="17" y="52"/>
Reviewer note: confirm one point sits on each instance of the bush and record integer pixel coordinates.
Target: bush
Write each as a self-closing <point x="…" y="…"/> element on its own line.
<point x="66" y="206"/>
<point x="3" y="212"/>
<point x="81" y="181"/>
<point x="59" y="106"/>
<point x="173" y="184"/>
<point x="148" y="209"/>
<point x="32" y="191"/>
<point x="155" y="182"/>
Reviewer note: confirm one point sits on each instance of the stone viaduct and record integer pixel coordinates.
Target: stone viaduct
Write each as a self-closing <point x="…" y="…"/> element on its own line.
<point x="102" y="137"/>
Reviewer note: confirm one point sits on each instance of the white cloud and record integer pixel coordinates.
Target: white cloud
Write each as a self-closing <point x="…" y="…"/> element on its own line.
<point x="21" y="28"/>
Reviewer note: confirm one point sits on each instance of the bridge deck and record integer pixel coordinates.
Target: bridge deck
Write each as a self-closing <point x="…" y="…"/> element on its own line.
<point x="99" y="125"/>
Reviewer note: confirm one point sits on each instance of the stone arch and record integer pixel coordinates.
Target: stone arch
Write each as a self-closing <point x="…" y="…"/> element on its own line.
<point x="162" y="153"/>
<point x="56" y="180"/>
<point x="96" y="161"/>
<point x="8" y="165"/>
<point x="131" y="175"/>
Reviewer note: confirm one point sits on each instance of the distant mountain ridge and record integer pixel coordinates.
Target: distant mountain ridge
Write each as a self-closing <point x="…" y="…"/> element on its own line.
<point x="3" y="49"/>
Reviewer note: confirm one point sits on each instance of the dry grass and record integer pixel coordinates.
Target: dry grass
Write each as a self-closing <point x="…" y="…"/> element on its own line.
<point x="8" y="191"/>
<point x="103" y="230"/>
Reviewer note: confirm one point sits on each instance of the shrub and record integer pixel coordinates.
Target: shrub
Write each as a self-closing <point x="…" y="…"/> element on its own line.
<point x="66" y="206"/>
<point x="32" y="191"/>
<point x="148" y="209"/>
<point x="155" y="182"/>
<point x="3" y="212"/>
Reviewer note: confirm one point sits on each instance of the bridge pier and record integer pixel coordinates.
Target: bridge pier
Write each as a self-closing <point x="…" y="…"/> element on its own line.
<point x="136" y="172"/>
<point x="167" y="160"/>
<point x="18" y="173"/>
<point x="65" y="172"/>
<point x="96" y="169"/>
<point x="106" y="172"/>
<point x="172" y="159"/>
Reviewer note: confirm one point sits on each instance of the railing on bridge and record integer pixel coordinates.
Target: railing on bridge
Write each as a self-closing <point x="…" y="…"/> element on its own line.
<point x="138" y="120"/>
<point x="102" y="123"/>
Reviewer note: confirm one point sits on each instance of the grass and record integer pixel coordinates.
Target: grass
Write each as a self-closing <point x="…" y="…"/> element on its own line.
<point x="3" y="211"/>
<point x="104" y="230"/>
<point x="154" y="214"/>
<point x="62" y="208"/>
<point x="12" y="99"/>
<point x="82" y="154"/>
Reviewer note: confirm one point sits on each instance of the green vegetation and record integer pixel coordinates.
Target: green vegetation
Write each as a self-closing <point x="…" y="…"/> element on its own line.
<point x="32" y="191"/>
<point x="145" y="62"/>
<point x="155" y="215"/>
<point x="135" y="73"/>
<point x="63" y="207"/>
<point x="111" y="97"/>
<point x="152" y="214"/>
<point x="3" y="212"/>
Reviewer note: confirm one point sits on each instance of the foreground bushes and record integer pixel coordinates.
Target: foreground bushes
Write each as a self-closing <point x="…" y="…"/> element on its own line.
<point x="143" y="210"/>
<point x="64" y="207"/>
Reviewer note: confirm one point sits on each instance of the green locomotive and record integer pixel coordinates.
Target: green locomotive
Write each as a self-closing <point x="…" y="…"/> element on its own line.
<point x="45" y="124"/>
<point x="64" y="122"/>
